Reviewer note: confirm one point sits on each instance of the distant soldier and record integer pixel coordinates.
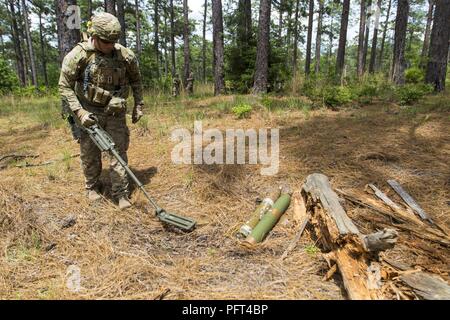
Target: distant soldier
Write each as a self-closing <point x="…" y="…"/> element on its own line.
<point x="190" y="83"/>
<point x="176" y="84"/>
<point x="94" y="83"/>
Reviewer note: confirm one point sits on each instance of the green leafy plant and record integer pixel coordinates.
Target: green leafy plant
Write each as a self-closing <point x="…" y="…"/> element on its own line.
<point x="337" y="96"/>
<point x="411" y="93"/>
<point x="414" y="75"/>
<point x="242" y="110"/>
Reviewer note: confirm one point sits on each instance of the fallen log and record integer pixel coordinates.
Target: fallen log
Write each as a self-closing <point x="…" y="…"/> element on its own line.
<point x="354" y="253"/>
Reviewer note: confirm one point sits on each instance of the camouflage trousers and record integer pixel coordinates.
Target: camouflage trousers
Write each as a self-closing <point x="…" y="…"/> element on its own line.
<point x="91" y="157"/>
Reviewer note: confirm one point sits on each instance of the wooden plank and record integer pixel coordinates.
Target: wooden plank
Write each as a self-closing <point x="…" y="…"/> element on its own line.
<point x="428" y="286"/>
<point x="409" y="200"/>
<point x="391" y="204"/>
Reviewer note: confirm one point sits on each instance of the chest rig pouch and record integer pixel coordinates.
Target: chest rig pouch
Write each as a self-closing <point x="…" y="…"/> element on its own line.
<point x="104" y="77"/>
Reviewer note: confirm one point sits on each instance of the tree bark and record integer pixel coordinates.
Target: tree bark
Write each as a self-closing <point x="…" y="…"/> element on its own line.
<point x="383" y="39"/>
<point x="164" y="44"/>
<point x="318" y="37"/>
<point x="67" y="38"/>
<point x="44" y="57"/>
<point x="362" y="26"/>
<point x="172" y="39"/>
<point x="340" y="59"/>
<point x="367" y="35"/>
<point x="89" y="9"/>
<point x="262" y="51"/>
<point x="204" y="42"/>
<point x="219" y="82"/>
<point x="156" y="27"/>
<point x="309" y="38"/>
<point x="138" y="28"/>
<point x="110" y="6"/>
<point x="439" y="46"/>
<point x="296" y="22"/>
<point x="187" y="53"/>
<point x="17" y="45"/>
<point x="373" y="51"/>
<point x="280" y="20"/>
<point x="426" y="40"/>
<point x="121" y="17"/>
<point x="401" y="23"/>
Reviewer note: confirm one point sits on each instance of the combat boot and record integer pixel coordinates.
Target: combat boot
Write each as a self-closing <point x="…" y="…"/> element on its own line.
<point x="93" y="195"/>
<point x="124" y="203"/>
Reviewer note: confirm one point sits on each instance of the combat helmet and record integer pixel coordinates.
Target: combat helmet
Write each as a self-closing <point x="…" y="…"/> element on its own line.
<point x="105" y="26"/>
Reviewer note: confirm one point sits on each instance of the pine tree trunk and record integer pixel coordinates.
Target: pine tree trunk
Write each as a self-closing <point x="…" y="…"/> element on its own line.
<point x="138" y="28"/>
<point x="280" y="20"/>
<point x="309" y="38"/>
<point x="362" y="26"/>
<point x="426" y="40"/>
<point x="219" y="82"/>
<point x="401" y="23"/>
<point x="366" y="36"/>
<point x="288" y="35"/>
<point x="156" y="29"/>
<point x="383" y="39"/>
<point x="121" y="17"/>
<point x="24" y="44"/>
<point x="439" y="46"/>
<point x="262" y="51"/>
<point x="110" y="6"/>
<point x="204" y="42"/>
<point x="44" y="57"/>
<point x="248" y="19"/>
<point x="17" y="45"/>
<point x="172" y="39"/>
<point x="296" y="22"/>
<point x="318" y="37"/>
<point x="187" y="53"/>
<point x="164" y="44"/>
<point x="373" y="51"/>
<point x="340" y="59"/>
<point x="67" y="38"/>
<point x="89" y="9"/>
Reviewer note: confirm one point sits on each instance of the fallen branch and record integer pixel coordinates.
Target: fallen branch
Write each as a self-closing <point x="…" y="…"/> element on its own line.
<point x="45" y="163"/>
<point x="418" y="228"/>
<point x="294" y="241"/>
<point x="18" y="156"/>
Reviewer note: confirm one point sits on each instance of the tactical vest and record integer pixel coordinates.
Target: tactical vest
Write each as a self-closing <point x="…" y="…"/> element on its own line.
<point x="102" y="77"/>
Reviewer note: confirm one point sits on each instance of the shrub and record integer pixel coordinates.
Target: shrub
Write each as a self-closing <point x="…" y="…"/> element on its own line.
<point x="411" y="93"/>
<point x="414" y="75"/>
<point x="337" y="96"/>
<point x="242" y="110"/>
<point x="8" y="79"/>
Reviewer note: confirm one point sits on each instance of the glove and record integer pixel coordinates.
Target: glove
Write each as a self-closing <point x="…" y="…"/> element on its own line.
<point x="116" y="105"/>
<point x="87" y="119"/>
<point x="137" y="113"/>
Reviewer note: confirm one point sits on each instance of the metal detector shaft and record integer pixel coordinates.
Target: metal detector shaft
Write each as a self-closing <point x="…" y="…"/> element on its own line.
<point x="105" y="143"/>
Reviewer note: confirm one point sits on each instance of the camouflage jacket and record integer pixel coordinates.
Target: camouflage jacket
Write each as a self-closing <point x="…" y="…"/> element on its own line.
<point x="89" y="78"/>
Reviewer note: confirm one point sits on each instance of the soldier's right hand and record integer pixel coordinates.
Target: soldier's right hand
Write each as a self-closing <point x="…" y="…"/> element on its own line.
<point x="87" y="118"/>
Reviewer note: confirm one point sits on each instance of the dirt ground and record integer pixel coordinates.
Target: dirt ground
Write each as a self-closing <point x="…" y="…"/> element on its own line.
<point x="48" y="229"/>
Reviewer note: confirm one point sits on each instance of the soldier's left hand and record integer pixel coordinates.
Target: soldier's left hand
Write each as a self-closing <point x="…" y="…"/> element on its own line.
<point x="137" y="113"/>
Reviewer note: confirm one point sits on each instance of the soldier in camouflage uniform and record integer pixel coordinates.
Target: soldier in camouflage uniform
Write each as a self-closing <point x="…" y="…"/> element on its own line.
<point x="190" y="83"/>
<point x="176" y="83"/>
<point x="94" y="83"/>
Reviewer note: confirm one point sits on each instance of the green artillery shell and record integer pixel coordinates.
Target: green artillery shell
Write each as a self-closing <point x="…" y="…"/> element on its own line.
<point x="269" y="220"/>
<point x="259" y="212"/>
